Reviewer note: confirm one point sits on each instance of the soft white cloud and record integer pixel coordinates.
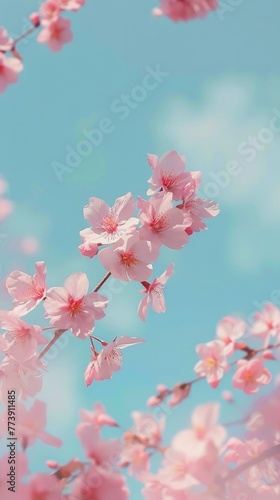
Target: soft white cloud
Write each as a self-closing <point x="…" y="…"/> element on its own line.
<point x="219" y="129"/>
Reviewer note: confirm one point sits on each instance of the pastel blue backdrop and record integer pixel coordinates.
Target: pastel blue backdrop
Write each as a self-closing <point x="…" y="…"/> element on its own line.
<point x="220" y="91"/>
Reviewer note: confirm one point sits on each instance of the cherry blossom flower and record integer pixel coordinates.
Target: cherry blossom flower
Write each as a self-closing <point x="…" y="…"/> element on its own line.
<point x="185" y="10"/>
<point x="267" y="323"/>
<point x="10" y="67"/>
<point x="56" y="33"/>
<point x="49" y="11"/>
<point x="40" y="486"/>
<point x="88" y="248"/>
<point x="238" y="451"/>
<point x="109" y="360"/>
<point x="27" y="290"/>
<point x="98" y="417"/>
<point x="162" y="224"/>
<point x="168" y="174"/>
<point x="31" y="425"/>
<point x="21" y="338"/>
<point x="70" y="308"/>
<point x="23" y="376"/>
<point x="154" y="294"/>
<point x="230" y="329"/>
<point x="213" y="363"/>
<point x="110" y="224"/>
<point x="136" y="457"/>
<point x="196" y="208"/>
<point x="250" y="375"/>
<point x="71" y="4"/>
<point x="100" y="451"/>
<point x="178" y="466"/>
<point x="157" y="487"/>
<point x="204" y="431"/>
<point x="148" y="429"/>
<point x="130" y="258"/>
<point x="99" y="484"/>
<point x="6" y="42"/>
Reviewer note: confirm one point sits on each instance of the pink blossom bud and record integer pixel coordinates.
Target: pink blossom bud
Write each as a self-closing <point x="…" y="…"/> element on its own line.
<point x="35" y="19"/>
<point x="153" y="401"/>
<point x="161" y="388"/>
<point x="88" y="249"/>
<point x="228" y="396"/>
<point x="268" y="354"/>
<point x="52" y="464"/>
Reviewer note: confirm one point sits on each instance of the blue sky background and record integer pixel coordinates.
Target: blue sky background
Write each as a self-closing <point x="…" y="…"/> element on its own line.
<point x="222" y="87"/>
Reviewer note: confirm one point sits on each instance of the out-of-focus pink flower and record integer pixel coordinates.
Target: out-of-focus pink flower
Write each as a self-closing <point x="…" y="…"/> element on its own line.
<point x="185" y="10"/>
<point x="6" y="42"/>
<point x="205" y="431"/>
<point x="250" y="375"/>
<point x="98" y="483"/>
<point x="178" y="468"/>
<point x="196" y="208"/>
<point x="21" y="338"/>
<point x="71" y="308"/>
<point x="228" y="396"/>
<point x="24" y="377"/>
<point x="100" y="451"/>
<point x="49" y="11"/>
<point x="213" y="363"/>
<point x="238" y="451"/>
<point x="147" y="428"/>
<point x="154" y="294"/>
<point x="157" y="487"/>
<point x="40" y="486"/>
<point x="230" y="329"/>
<point x="27" y="290"/>
<point x="10" y="67"/>
<point x="56" y="33"/>
<point x="168" y="174"/>
<point x="98" y="416"/>
<point x="136" y="457"/>
<point x="267" y="323"/>
<point x="71" y="4"/>
<point x="29" y="245"/>
<point x="88" y="248"/>
<point x="109" y="360"/>
<point x="130" y="258"/>
<point x="161" y="223"/>
<point x="31" y="425"/>
<point x="110" y="224"/>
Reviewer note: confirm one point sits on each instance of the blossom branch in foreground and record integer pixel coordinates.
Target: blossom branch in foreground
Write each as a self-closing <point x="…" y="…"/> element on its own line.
<point x="265" y="455"/>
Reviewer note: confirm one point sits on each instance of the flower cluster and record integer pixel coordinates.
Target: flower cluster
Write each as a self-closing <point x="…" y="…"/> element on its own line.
<point x="196" y="465"/>
<point x="126" y="246"/>
<point x="230" y="352"/>
<point x="55" y="32"/>
<point x="185" y="10"/>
